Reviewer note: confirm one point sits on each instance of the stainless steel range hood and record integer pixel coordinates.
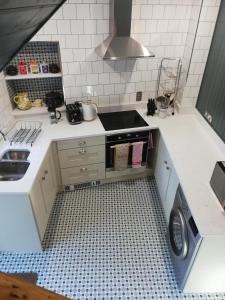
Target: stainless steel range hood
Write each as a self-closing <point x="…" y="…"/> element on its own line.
<point x="119" y="45"/>
<point x="19" y="21"/>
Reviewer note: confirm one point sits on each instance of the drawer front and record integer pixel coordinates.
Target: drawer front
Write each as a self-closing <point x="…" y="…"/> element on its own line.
<point x="81" y="156"/>
<point x="81" y="142"/>
<point x="83" y="174"/>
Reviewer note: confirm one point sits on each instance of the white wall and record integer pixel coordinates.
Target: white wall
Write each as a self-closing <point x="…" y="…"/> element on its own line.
<point x="5" y="106"/>
<point x="166" y="27"/>
<point x="80" y="25"/>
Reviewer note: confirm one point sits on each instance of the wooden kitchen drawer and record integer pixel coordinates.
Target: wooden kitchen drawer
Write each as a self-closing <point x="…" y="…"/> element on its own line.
<point x="81" y="156"/>
<point x="83" y="173"/>
<point x="81" y="142"/>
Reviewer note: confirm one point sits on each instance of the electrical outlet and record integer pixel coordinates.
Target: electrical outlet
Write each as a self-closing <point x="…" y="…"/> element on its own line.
<point x="138" y="96"/>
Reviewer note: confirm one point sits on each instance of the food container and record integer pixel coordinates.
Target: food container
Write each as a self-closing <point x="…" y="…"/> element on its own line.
<point x="34" y="67"/>
<point x="44" y="67"/>
<point x="22" y="66"/>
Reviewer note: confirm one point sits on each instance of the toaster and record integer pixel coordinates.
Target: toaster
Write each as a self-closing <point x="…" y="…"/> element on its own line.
<point x="217" y="182"/>
<point x="74" y="113"/>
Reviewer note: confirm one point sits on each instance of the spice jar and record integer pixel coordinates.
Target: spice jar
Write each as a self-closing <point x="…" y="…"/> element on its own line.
<point x="44" y="67"/>
<point x="22" y="68"/>
<point x="34" y="67"/>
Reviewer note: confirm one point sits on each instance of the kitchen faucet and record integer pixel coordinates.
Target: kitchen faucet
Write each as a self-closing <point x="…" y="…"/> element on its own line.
<point x="3" y="135"/>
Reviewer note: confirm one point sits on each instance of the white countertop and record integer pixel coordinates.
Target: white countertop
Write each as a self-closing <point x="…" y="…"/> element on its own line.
<point x="192" y="150"/>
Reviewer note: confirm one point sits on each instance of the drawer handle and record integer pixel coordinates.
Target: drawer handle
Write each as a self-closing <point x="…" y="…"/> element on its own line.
<point x="46" y="172"/>
<point x="165" y="162"/>
<point x="82" y="151"/>
<point x="83" y="170"/>
<point x="43" y="178"/>
<point x="82" y="143"/>
<point x="168" y="168"/>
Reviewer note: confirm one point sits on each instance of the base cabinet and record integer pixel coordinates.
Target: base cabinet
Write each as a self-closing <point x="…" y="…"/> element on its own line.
<point x="166" y="178"/>
<point x="18" y="229"/>
<point x="82" y="160"/>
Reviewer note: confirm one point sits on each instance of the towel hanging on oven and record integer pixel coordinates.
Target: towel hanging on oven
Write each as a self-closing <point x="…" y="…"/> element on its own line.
<point x="121" y="153"/>
<point x="137" y="154"/>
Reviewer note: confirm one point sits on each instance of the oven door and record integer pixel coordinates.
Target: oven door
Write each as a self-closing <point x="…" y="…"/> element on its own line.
<point x="125" y="138"/>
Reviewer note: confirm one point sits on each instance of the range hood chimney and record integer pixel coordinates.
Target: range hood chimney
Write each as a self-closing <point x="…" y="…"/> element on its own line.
<point x="19" y="21"/>
<point x="119" y="45"/>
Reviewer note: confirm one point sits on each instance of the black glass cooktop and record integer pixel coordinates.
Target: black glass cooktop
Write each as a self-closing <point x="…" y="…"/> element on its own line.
<point x="121" y="120"/>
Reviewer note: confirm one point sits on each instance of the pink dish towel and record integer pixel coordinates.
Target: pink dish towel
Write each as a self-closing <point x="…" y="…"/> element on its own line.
<point x="137" y="154"/>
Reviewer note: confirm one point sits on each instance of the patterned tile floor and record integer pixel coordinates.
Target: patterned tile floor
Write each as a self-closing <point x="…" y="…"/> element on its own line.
<point x="105" y="242"/>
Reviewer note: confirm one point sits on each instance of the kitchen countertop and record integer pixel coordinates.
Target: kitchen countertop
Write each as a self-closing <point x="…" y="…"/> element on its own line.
<point x="192" y="150"/>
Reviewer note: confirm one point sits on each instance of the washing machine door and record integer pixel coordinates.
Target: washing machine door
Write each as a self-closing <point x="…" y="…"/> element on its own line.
<point x="178" y="233"/>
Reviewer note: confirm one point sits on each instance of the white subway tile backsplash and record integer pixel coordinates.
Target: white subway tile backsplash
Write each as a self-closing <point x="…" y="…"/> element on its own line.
<point x="115" y="77"/>
<point x="96" y="11"/>
<point x="103" y="101"/>
<point x="120" y="88"/>
<point x="124" y="99"/>
<point x="81" y="80"/>
<point x="136" y="12"/>
<point x="104" y="78"/>
<point x="90" y="27"/>
<point x="204" y="28"/>
<point x="67" y="55"/>
<point x="139" y="26"/>
<point x="71" y="41"/>
<point x="76" y="92"/>
<point x="130" y="87"/>
<point x="83" y="11"/>
<point x="166" y="27"/>
<point x="5" y="106"/>
<point x="114" y="100"/>
<point x="69" y="80"/>
<point x="146" y="12"/>
<point x="84" y="41"/>
<point x="63" y="26"/>
<point x="97" y="67"/>
<point x="162" y="26"/>
<point x="108" y="89"/>
<point x="79" y="54"/>
<point x="102" y="26"/>
<point x="158" y="12"/>
<point x="77" y="26"/>
<point x="151" y="26"/>
<point x="73" y="68"/>
<point x="92" y="79"/>
<point x="69" y="11"/>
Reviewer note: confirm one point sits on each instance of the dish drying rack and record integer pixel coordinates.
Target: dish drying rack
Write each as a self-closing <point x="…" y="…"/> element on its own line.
<point x="169" y="77"/>
<point x="24" y="132"/>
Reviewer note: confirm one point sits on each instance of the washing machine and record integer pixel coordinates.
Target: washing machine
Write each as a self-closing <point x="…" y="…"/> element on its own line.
<point x="183" y="237"/>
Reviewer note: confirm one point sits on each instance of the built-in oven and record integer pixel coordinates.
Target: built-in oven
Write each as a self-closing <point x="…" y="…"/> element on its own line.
<point x="131" y="137"/>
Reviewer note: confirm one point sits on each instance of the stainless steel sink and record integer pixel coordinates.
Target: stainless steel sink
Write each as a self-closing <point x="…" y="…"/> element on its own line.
<point x="13" y="170"/>
<point x="16" y="154"/>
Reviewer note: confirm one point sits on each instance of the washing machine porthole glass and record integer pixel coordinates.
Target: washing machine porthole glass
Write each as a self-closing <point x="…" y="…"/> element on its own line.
<point x="178" y="233"/>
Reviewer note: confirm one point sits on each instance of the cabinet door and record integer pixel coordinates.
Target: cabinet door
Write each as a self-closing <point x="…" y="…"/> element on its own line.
<point x="39" y="209"/>
<point x="48" y="184"/>
<point x="211" y="100"/>
<point x="162" y="170"/>
<point x="171" y="192"/>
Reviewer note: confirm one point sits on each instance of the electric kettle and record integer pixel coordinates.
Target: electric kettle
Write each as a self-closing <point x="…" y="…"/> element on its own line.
<point x="89" y="110"/>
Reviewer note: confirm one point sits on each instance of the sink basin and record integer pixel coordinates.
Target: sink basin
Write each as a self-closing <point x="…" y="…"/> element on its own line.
<point x="16" y="154"/>
<point x="13" y="170"/>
